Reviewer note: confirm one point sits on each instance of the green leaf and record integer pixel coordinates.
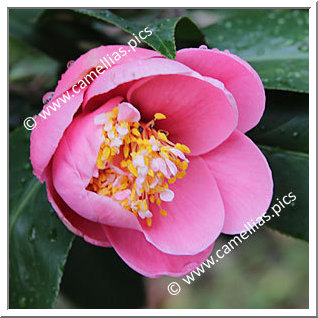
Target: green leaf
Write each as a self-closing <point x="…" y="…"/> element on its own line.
<point x="283" y="134"/>
<point x="38" y="241"/>
<point x="103" y="280"/>
<point x="162" y="38"/>
<point x="290" y="173"/>
<point x="27" y="63"/>
<point x="22" y="22"/>
<point x="285" y="122"/>
<point x="274" y="42"/>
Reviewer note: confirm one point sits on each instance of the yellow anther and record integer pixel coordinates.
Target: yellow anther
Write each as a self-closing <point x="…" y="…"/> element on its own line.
<point x="184" y="165"/>
<point x="163" y="212"/>
<point x="158" y="201"/>
<point x="115" y="190"/>
<point x="123" y="164"/>
<point x="103" y="192"/>
<point x="162" y="136"/>
<point x="114" y="112"/>
<point x="135" y="132"/>
<point x="149" y="221"/>
<point x="179" y="147"/>
<point x="172" y="180"/>
<point x="183" y="148"/>
<point x="99" y="163"/>
<point x="146" y="159"/>
<point x="186" y="149"/>
<point x="151" y="173"/>
<point x="160" y="175"/>
<point x="106" y="152"/>
<point x="132" y="169"/>
<point x="133" y="192"/>
<point x="160" y="116"/>
<point x="144" y="206"/>
<point x="126" y="150"/>
<point x="180" y="174"/>
<point x="124" y="202"/>
<point x="152" y="199"/>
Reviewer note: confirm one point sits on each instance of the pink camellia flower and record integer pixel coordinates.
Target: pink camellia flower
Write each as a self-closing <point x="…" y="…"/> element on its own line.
<point x="151" y="157"/>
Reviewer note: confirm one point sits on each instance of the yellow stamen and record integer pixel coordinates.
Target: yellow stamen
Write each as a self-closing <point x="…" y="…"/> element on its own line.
<point x="123" y="164"/>
<point x="144" y="206"/>
<point x="180" y="174"/>
<point x="162" y="136"/>
<point x="135" y="132"/>
<point x="172" y="180"/>
<point x="132" y="169"/>
<point x="184" y="165"/>
<point x="126" y="151"/>
<point x="183" y="148"/>
<point x="119" y="165"/>
<point x="106" y="152"/>
<point x="160" y="116"/>
<point x="163" y="212"/>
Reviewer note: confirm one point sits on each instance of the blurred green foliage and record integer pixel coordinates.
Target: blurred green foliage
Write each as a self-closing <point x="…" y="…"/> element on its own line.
<point x="268" y="270"/>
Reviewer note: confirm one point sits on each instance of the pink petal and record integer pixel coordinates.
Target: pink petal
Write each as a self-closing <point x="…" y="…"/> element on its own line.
<point x="244" y="180"/>
<point x="238" y="77"/>
<point x="199" y="113"/>
<point x="48" y="132"/>
<point x="122" y="74"/>
<point x="73" y="166"/>
<point x="92" y="232"/>
<point x="94" y="57"/>
<point x="127" y="112"/>
<point x="144" y="258"/>
<point x="195" y="216"/>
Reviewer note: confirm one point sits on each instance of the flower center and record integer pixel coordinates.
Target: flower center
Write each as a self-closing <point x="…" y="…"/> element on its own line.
<point x="136" y="163"/>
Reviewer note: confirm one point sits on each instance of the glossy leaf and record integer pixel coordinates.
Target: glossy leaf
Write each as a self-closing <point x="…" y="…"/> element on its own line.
<point x="274" y="42"/>
<point x="285" y="123"/>
<point x="38" y="241"/>
<point x="290" y="173"/>
<point x="96" y="277"/>
<point x="27" y="63"/>
<point x="162" y="38"/>
<point x="283" y="134"/>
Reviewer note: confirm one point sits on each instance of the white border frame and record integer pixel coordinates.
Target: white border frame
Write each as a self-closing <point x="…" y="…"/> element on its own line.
<point x="312" y="165"/>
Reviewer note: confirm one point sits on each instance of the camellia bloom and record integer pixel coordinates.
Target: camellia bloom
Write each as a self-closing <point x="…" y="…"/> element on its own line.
<point x="151" y="157"/>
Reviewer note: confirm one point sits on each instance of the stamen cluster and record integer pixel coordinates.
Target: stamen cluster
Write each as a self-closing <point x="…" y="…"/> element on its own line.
<point x="136" y="163"/>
